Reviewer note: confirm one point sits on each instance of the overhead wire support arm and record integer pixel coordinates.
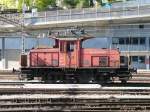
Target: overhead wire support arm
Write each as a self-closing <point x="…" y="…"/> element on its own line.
<point x="22" y="34"/>
<point x="17" y="21"/>
<point x="22" y="28"/>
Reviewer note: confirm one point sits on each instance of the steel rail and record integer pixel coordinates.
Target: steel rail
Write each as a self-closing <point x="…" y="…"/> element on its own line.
<point x="75" y="105"/>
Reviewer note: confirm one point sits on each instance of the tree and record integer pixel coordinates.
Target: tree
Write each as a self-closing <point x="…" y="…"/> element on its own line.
<point x="69" y="3"/>
<point x="8" y="4"/>
<point x="76" y="3"/>
<point x="28" y="4"/>
<point x="39" y="4"/>
<point x="44" y="4"/>
<point x="83" y="4"/>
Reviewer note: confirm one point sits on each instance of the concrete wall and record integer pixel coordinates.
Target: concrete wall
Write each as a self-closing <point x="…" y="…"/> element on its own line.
<point x="11" y="59"/>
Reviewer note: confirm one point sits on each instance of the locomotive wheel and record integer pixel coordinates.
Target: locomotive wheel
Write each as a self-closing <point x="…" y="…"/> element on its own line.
<point x="92" y="80"/>
<point x="58" y="79"/>
<point x="22" y="76"/>
<point x="47" y="78"/>
<point x="102" y="78"/>
<point x="123" y="81"/>
<point x="99" y="78"/>
<point x="30" y="77"/>
<point x="71" y="78"/>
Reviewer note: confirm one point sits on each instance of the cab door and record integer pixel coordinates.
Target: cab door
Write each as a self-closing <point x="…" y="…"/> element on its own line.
<point x="71" y="54"/>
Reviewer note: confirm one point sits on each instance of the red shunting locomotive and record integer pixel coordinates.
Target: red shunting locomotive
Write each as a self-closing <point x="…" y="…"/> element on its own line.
<point x="68" y="62"/>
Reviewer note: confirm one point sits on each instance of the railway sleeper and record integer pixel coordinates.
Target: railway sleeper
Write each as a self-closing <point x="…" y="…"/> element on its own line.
<point x="76" y="108"/>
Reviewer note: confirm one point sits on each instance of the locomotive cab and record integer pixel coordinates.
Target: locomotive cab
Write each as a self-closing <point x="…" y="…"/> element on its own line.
<point x="69" y="52"/>
<point x="68" y="46"/>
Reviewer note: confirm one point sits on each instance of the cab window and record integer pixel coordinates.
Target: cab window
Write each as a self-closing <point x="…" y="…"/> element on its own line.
<point x="70" y="46"/>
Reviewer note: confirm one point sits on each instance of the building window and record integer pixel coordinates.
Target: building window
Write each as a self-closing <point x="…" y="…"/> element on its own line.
<point x="134" y="58"/>
<point x="141" y="26"/>
<point x="70" y="46"/>
<point x="141" y="59"/>
<point x="127" y="40"/>
<point x="134" y="41"/>
<point x="142" y="41"/>
<point x="122" y="59"/>
<point x="27" y="50"/>
<point x="115" y="40"/>
<point x="121" y="41"/>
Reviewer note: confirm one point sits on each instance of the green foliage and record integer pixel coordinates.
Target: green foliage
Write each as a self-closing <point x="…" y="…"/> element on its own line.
<point x="83" y="3"/>
<point x="76" y="3"/>
<point x="40" y="4"/>
<point x="43" y="4"/>
<point x="28" y="3"/>
<point x="70" y="3"/>
<point x="8" y="3"/>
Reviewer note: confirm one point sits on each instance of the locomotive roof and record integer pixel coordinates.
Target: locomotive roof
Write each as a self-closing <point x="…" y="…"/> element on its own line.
<point x="72" y="37"/>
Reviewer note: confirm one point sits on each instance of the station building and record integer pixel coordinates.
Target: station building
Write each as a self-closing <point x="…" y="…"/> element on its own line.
<point x="134" y="42"/>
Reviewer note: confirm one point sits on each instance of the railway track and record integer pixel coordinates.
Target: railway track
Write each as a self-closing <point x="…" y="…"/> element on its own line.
<point x="6" y="77"/>
<point x="27" y="96"/>
<point x="73" y="98"/>
<point x="75" y="105"/>
<point x="75" y="89"/>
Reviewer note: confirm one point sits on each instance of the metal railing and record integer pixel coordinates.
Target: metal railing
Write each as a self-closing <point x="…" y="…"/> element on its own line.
<point x="120" y="10"/>
<point x="14" y="19"/>
<point x="88" y="15"/>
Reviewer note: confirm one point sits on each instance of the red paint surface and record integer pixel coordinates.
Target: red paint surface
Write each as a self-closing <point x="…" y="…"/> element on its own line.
<point x="80" y="57"/>
<point x="91" y="57"/>
<point x="44" y="57"/>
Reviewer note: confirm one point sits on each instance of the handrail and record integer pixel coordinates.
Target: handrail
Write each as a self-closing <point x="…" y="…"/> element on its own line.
<point x="84" y="14"/>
